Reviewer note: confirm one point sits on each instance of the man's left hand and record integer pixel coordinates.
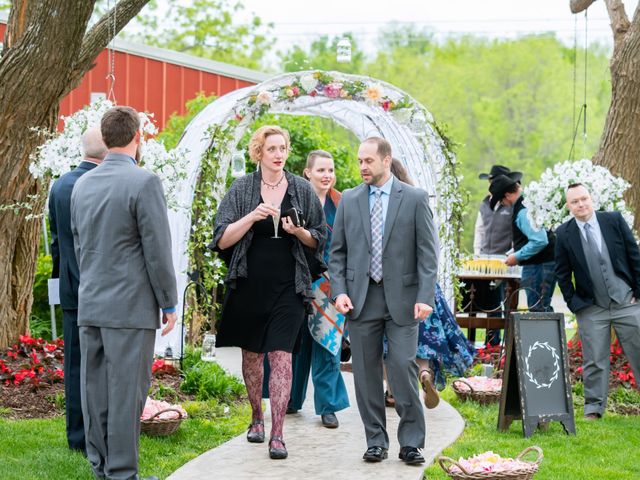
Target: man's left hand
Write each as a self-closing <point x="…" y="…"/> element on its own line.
<point x="168" y="319"/>
<point x="511" y="260"/>
<point x="422" y="311"/>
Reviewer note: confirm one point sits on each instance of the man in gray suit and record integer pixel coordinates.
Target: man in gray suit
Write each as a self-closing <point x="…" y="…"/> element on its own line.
<point x="383" y="266"/>
<point x="598" y="268"/>
<point x="123" y="246"/>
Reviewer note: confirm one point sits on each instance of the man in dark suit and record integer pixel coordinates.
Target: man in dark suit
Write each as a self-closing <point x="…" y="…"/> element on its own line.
<point x="383" y="265"/>
<point x="598" y="268"/>
<point x="123" y="247"/>
<point x="65" y="268"/>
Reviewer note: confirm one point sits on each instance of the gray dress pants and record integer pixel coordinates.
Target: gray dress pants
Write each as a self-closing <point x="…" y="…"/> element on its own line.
<point x="115" y="375"/>
<point x="366" y="332"/>
<point x="594" y="328"/>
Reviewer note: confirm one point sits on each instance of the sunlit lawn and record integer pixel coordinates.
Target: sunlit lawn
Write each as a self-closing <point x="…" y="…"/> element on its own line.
<point x="605" y="450"/>
<point x="36" y="449"/>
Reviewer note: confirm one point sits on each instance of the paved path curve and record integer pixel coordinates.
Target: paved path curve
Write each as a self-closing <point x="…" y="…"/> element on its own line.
<point x="317" y="453"/>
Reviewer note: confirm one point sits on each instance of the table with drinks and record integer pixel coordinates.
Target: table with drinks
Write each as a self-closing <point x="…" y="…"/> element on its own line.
<point x="477" y="276"/>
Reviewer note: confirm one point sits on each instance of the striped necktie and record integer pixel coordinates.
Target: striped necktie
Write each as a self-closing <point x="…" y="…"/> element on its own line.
<point x="375" y="269"/>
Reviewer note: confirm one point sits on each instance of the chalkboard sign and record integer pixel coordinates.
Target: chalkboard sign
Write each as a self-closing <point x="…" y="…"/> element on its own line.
<point x="535" y="383"/>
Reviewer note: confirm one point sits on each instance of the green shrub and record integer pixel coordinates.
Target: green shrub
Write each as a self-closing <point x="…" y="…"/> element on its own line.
<point x="191" y="357"/>
<point x="624" y="395"/>
<point x="209" y="380"/>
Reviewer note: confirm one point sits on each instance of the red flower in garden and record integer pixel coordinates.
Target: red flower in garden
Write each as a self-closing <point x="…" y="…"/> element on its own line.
<point x="34" y="357"/>
<point x="12" y="354"/>
<point x="157" y="365"/>
<point x="59" y="373"/>
<point x="49" y="347"/>
<point x="22" y="374"/>
<point x="27" y="340"/>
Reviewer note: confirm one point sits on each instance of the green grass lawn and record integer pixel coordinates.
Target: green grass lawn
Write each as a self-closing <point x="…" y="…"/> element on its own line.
<point x="604" y="450"/>
<point x="37" y="449"/>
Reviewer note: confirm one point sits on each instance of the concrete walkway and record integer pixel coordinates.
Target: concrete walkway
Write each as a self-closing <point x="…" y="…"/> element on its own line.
<point x="315" y="452"/>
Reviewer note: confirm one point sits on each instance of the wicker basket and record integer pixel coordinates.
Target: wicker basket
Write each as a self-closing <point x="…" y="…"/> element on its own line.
<point x="525" y="473"/>
<point x="159" y="427"/>
<point x="483" y="398"/>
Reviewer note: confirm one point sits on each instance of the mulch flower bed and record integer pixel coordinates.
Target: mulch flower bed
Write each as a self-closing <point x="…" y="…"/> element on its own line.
<point x="620" y="373"/>
<point x="32" y="379"/>
<point x="621" y="377"/>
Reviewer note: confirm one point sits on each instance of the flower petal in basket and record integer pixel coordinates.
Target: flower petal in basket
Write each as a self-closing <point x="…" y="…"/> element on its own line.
<point x="156" y="426"/>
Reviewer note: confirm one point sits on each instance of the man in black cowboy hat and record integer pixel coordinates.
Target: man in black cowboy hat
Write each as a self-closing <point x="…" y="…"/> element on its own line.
<point x="492" y="237"/>
<point x="534" y="249"/>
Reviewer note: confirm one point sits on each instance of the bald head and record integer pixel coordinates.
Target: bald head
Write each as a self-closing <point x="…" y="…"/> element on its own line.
<point x="93" y="147"/>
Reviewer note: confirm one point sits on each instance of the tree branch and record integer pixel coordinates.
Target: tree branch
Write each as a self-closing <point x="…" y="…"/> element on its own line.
<point x="578" y="6"/>
<point x="101" y="34"/>
<point x="619" y="23"/>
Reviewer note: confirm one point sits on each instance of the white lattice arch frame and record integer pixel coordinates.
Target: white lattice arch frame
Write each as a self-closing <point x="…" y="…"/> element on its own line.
<point x="410" y="131"/>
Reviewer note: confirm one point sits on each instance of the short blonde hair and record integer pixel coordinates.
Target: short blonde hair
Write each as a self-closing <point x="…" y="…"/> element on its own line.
<point x="259" y="137"/>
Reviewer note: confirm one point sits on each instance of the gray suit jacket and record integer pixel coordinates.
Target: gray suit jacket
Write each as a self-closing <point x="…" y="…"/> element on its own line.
<point x="409" y="250"/>
<point x="123" y="246"/>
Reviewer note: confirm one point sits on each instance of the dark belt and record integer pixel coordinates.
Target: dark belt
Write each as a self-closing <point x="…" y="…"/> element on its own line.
<point x="373" y="282"/>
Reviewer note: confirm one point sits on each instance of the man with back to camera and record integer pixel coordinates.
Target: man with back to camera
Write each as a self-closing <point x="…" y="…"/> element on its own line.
<point x="598" y="269"/>
<point x="383" y="265"/>
<point x="493" y="236"/>
<point x="123" y="247"/>
<point x="65" y="268"/>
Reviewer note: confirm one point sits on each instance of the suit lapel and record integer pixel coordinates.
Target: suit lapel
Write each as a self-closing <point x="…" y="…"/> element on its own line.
<point x="363" y="204"/>
<point x="575" y="241"/>
<point x="606" y="232"/>
<point x="395" y="200"/>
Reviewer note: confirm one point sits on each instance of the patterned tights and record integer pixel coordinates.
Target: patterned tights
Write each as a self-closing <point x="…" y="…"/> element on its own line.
<point x="279" y="385"/>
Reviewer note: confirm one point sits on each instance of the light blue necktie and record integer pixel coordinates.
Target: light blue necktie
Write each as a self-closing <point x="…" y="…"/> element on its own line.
<point x="375" y="269"/>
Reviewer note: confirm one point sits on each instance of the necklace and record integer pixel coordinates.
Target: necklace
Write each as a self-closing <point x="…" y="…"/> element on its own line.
<point x="275" y="185"/>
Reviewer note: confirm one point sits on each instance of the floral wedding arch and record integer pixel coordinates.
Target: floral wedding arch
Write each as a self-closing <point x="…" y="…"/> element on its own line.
<point x="365" y="106"/>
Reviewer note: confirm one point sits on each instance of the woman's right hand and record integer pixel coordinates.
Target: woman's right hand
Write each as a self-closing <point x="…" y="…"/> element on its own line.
<point x="263" y="211"/>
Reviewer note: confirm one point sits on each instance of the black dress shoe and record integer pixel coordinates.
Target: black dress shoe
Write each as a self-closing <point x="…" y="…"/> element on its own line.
<point x="330" y="420"/>
<point x="410" y="455"/>
<point x="291" y="410"/>
<point x="375" y="454"/>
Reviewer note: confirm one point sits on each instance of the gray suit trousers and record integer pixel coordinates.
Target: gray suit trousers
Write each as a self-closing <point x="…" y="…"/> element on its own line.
<point x="115" y="375"/>
<point x="594" y="328"/>
<point x="366" y="333"/>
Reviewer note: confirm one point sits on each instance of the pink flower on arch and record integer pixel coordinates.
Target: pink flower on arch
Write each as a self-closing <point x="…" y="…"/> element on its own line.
<point x="333" y="89"/>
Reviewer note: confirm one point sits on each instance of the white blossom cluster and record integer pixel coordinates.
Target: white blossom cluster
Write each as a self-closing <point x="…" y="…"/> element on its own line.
<point x="545" y="200"/>
<point x="63" y="151"/>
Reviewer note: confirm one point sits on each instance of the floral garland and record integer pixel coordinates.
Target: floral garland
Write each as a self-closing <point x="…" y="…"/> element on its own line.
<point x="404" y="110"/>
<point x="545" y="200"/>
<point x="63" y="151"/>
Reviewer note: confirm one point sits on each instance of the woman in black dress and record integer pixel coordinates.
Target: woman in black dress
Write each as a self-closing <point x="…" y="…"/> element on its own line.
<point x="268" y="279"/>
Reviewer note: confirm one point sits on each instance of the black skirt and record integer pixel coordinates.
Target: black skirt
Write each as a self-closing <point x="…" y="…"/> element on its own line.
<point x="264" y="313"/>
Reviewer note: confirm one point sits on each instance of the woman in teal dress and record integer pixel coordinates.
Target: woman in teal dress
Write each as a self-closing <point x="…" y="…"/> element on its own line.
<point x="320" y="343"/>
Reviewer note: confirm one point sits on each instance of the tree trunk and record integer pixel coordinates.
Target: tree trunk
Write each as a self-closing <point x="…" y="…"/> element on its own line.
<point x="46" y="51"/>
<point x="619" y="147"/>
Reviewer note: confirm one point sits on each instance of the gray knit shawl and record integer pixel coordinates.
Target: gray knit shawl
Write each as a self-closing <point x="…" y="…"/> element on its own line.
<point x="243" y="197"/>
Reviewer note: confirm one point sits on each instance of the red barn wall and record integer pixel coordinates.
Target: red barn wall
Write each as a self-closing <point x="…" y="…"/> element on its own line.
<point x="147" y="84"/>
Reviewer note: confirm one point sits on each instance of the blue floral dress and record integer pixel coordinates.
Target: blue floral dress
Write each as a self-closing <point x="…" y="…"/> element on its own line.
<point x="441" y="341"/>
